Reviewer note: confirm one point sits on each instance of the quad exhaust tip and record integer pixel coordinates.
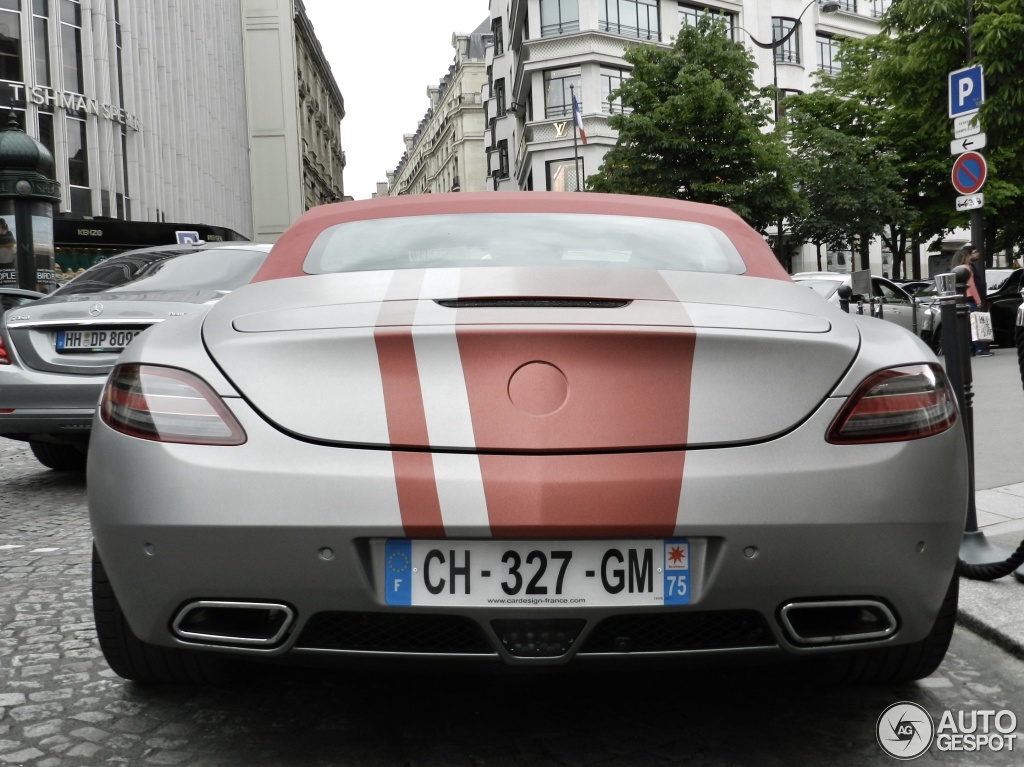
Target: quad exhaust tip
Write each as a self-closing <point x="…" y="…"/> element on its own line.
<point x="240" y="624"/>
<point x="837" y="621"/>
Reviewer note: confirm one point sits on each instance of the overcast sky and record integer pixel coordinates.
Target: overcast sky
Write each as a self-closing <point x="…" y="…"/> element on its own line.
<point x="384" y="56"/>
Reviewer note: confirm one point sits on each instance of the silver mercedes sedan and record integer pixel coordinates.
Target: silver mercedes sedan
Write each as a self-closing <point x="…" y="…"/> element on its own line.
<point x="56" y="352"/>
<point x="531" y="430"/>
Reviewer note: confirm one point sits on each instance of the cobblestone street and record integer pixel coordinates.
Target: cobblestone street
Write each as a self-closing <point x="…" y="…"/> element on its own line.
<point x="60" y="706"/>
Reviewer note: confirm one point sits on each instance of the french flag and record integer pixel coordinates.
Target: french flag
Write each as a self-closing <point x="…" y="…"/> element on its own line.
<point x="577" y="117"/>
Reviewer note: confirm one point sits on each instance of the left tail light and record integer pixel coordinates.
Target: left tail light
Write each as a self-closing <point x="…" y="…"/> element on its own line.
<point x="895" y="405"/>
<point x="5" y="358"/>
<point x="167" y="405"/>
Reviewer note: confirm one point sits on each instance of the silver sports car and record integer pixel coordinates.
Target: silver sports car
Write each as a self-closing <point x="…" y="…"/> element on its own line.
<point x="56" y="352"/>
<point x="531" y="429"/>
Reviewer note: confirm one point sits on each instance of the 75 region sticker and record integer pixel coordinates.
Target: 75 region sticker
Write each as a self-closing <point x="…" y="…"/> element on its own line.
<point x="677" y="572"/>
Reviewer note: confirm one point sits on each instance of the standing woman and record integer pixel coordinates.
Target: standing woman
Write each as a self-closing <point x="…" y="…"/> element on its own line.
<point x="981" y="286"/>
<point x="962" y="258"/>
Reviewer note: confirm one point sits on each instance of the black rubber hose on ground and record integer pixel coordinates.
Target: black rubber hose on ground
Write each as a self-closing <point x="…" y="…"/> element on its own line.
<point x="995" y="570"/>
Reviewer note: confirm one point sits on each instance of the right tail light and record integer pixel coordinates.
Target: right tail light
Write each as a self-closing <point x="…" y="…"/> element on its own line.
<point x="895" y="405"/>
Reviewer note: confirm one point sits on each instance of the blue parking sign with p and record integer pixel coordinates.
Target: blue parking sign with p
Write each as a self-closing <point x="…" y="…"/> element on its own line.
<point x="966" y="91"/>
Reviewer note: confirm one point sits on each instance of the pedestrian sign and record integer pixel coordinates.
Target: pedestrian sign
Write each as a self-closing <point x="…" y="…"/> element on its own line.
<point x="966" y="91"/>
<point x="969" y="173"/>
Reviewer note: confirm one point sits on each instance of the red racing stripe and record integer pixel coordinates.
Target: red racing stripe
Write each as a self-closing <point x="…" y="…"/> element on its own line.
<point x="583" y="496"/>
<point x="403" y="401"/>
<point x="619" y="389"/>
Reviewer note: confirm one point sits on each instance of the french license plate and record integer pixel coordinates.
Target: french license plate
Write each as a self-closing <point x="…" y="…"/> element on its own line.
<point x="537" y="573"/>
<point x="95" y="339"/>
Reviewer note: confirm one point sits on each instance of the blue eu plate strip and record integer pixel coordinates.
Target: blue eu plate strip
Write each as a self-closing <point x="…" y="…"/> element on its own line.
<point x="398" y="572"/>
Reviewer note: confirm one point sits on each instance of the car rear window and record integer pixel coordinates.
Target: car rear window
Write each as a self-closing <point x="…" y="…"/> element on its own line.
<point x="214" y="269"/>
<point x="523" y="239"/>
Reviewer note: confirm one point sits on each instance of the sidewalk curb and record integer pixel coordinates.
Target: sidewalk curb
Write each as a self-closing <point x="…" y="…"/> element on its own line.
<point x="990" y="633"/>
<point x="994" y="610"/>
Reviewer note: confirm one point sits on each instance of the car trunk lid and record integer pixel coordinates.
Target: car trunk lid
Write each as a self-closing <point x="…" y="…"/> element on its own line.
<point x="531" y="360"/>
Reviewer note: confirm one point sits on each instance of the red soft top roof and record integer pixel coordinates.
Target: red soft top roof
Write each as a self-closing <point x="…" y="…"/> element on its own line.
<point x="289" y="252"/>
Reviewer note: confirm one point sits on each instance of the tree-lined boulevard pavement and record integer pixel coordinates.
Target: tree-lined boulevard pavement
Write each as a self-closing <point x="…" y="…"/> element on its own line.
<point x="60" y="706"/>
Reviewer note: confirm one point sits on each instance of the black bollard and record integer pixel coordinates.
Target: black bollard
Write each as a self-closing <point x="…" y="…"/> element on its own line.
<point x="845" y="291"/>
<point x="956" y="344"/>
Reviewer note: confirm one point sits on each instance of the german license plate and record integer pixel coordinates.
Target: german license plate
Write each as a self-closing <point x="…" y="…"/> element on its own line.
<point x="537" y="573"/>
<point x="95" y="339"/>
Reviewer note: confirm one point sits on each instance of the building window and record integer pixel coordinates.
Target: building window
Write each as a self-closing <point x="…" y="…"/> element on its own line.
<point x="78" y="167"/>
<point x="503" y="159"/>
<point x="839" y="260"/>
<point x="10" y="40"/>
<point x="632" y="18"/>
<point x="564" y="176"/>
<point x="46" y="137"/>
<point x="41" y="40"/>
<point x="559" y="85"/>
<point x="611" y="80"/>
<point x="71" y="45"/>
<point x="117" y="42"/>
<point x="499" y="40"/>
<point x="846" y="5"/>
<point x="789" y="51"/>
<point x="827" y="50"/>
<point x="499" y="98"/>
<point x="785" y="93"/>
<point x="689" y="15"/>
<point x="879" y="7"/>
<point x="558" y="17"/>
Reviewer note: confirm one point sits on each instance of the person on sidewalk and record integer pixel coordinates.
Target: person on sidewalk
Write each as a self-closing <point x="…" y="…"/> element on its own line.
<point x="963" y="258"/>
<point x="977" y="267"/>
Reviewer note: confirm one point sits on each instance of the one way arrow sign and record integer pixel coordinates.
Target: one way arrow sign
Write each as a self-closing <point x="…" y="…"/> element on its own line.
<point x="971" y="143"/>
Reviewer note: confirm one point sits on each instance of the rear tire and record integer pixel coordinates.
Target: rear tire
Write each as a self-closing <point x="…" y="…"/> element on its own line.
<point x="59" y="457"/>
<point x="136" y="660"/>
<point x="905" y="663"/>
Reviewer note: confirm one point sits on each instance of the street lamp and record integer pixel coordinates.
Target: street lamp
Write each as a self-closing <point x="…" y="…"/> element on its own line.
<point x="828" y="6"/>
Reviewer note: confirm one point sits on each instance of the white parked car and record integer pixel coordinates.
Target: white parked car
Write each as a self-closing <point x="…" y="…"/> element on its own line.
<point x="887" y="300"/>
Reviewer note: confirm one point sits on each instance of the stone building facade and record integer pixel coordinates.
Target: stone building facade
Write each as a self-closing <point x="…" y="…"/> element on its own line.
<point x="544" y="52"/>
<point x="446" y="153"/>
<point x="294" y="113"/>
<point x="150" y="108"/>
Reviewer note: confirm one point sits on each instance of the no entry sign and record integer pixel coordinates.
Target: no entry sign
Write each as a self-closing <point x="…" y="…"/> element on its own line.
<point x="969" y="172"/>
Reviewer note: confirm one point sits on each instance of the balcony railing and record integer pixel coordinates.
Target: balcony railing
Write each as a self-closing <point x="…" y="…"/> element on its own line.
<point x="627" y="31"/>
<point x="563" y="28"/>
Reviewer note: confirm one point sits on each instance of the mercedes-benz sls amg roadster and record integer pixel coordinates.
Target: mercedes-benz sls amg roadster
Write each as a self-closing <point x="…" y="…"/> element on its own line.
<point x="530" y="429"/>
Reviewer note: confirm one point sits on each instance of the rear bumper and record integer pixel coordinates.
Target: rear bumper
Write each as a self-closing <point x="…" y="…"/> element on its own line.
<point x="47" y="406"/>
<point x="280" y="521"/>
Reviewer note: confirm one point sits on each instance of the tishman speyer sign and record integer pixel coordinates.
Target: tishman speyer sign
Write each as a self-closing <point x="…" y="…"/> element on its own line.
<point x="73" y="102"/>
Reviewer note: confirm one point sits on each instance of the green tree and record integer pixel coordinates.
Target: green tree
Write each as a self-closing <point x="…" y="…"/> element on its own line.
<point x="847" y="178"/>
<point x="694" y="130"/>
<point x="866" y="167"/>
<point x="905" y="73"/>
